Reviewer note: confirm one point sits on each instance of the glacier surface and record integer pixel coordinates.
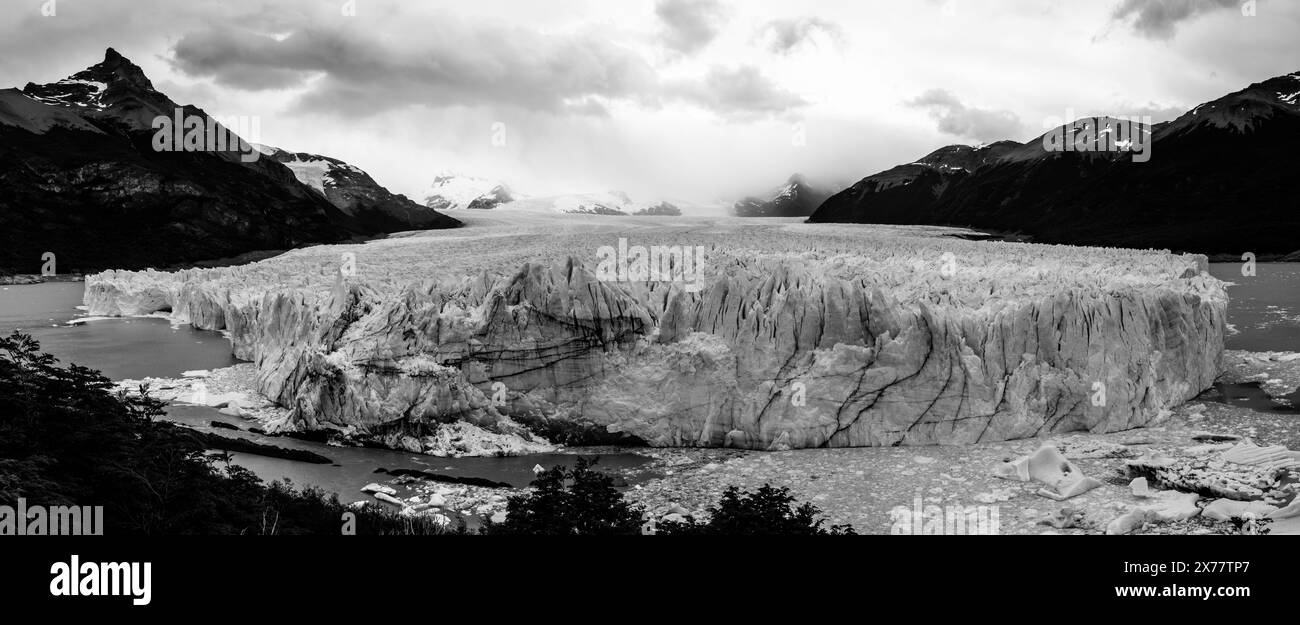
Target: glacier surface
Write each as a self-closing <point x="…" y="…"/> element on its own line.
<point x="803" y="335"/>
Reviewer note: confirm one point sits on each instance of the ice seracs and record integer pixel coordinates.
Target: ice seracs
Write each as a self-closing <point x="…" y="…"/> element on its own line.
<point x="801" y="335"/>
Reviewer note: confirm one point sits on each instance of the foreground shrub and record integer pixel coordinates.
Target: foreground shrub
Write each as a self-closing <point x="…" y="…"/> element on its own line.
<point x="569" y="502"/>
<point x="583" y="501"/>
<point x="767" y="511"/>
<point x="66" y="439"/>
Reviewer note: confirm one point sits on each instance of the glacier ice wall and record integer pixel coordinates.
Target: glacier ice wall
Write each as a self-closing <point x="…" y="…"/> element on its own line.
<point x="803" y="335"/>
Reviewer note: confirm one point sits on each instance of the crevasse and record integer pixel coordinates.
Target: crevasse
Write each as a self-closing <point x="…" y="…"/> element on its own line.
<point x="804" y="335"/>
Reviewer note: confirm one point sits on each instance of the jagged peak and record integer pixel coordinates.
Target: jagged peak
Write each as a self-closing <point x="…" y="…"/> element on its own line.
<point x="116" y="65"/>
<point x="114" y="77"/>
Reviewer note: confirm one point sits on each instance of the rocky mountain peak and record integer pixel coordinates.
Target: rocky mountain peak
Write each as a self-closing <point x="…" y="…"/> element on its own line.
<point x="98" y="86"/>
<point x="116" y="69"/>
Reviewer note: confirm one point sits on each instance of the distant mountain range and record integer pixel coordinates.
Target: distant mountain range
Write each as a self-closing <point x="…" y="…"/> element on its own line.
<point x="82" y="176"/>
<point x="796" y="198"/>
<point x="452" y="192"/>
<point x="1222" y="178"/>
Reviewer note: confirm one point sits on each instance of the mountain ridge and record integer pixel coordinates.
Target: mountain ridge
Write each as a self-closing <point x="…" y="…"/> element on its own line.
<point x="81" y="177"/>
<point x="1220" y="181"/>
<point x="796" y="198"/>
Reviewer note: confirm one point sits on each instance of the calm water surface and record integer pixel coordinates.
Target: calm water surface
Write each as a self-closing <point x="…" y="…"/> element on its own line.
<point x="140" y="347"/>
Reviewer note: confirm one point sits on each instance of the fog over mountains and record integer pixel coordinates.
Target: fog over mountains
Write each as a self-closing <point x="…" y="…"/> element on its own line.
<point x="794" y="199"/>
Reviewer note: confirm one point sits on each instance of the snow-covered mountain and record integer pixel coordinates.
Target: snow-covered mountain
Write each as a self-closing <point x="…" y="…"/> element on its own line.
<point x="602" y="203"/>
<point x="354" y="192"/>
<point x="453" y="192"/>
<point x="796" y="198"/>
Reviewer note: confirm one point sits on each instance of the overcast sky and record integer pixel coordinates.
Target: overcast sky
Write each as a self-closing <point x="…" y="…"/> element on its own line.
<point x="698" y="100"/>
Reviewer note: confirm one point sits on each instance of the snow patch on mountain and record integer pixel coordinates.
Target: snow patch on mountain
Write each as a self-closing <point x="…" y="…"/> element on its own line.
<point x="310" y="173"/>
<point x="37" y="117"/>
<point x="317" y="172"/>
<point x="454" y="192"/>
<point x="73" y="92"/>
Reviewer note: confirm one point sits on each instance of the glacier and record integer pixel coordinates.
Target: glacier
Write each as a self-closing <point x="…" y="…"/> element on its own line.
<point x="802" y="335"/>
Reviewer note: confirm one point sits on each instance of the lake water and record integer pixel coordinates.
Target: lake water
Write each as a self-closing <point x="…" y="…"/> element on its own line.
<point x="119" y="348"/>
<point x="139" y="347"/>
<point x="354" y="467"/>
<point x="1264" y="316"/>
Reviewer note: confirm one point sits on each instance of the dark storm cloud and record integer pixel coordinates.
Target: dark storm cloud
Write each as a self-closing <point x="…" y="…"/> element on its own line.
<point x="357" y="72"/>
<point x="690" y="25"/>
<point x="784" y="36"/>
<point x="459" y="64"/>
<point x="957" y="119"/>
<point x="1158" y="19"/>
<point x="739" y="92"/>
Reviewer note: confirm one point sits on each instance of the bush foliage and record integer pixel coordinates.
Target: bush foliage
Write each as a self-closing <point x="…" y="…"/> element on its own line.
<point x="67" y="439"/>
<point x="565" y="502"/>
<point x="766" y="511"/>
<point x="583" y="501"/>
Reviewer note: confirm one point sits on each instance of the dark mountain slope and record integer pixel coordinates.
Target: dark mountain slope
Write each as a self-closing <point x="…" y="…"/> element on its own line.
<point x="80" y="177"/>
<point x="1220" y="179"/>
<point x="355" y="193"/>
